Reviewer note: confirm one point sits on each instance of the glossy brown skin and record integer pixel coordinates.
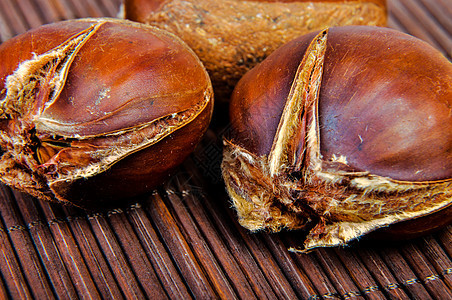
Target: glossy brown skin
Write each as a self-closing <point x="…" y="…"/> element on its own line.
<point x="385" y="104"/>
<point x="381" y="105"/>
<point x="147" y="74"/>
<point x="138" y="75"/>
<point x="414" y="228"/>
<point x="139" y="173"/>
<point x="139" y="9"/>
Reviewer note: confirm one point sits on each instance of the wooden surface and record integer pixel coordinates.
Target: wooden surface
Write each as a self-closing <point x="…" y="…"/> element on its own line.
<point x="183" y="241"/>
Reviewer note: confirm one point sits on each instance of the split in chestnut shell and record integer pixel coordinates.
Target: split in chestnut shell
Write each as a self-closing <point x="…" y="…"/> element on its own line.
<point x="343" y="132"/>
<point x="97" y="110"/>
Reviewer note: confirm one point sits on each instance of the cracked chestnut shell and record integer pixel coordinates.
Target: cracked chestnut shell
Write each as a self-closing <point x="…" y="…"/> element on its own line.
<point x="96" y="110"/>
<point x="232" y="36"/>
<point x="342" y="132"/>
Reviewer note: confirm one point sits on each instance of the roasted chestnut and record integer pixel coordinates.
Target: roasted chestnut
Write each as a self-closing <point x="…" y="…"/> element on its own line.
<point x="342" y="132"/>
<point x="95" y="110"/>
<point x="232" y="36"/>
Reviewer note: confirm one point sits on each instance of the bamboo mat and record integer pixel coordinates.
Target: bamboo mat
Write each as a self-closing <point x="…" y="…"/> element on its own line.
<point x="182" y="241"/>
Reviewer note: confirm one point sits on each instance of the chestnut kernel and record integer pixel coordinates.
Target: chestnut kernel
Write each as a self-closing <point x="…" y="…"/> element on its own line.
<point x="232" y="36"/>
<point x="97" y="110"/>
<point x="340" y="133"/>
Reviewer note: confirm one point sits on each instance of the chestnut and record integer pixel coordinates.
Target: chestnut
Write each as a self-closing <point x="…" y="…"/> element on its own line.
<point x="340" y="133"/>
<point x="232" y="36"/>
<point x="97" y="110"/>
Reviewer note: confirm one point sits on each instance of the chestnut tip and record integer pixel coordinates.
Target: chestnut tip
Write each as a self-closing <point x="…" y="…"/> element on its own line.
<point x="348" y="127"/>
<point x="88" y="107"/>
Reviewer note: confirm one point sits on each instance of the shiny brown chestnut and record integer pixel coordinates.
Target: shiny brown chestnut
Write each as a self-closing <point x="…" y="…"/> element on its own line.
<point x="232" y="36"/>
<point x="343" y="132"/>
<point x="96" y="110"/>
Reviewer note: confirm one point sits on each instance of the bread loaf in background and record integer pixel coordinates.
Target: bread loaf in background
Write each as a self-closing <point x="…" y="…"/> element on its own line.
<point x="232" y="36"/>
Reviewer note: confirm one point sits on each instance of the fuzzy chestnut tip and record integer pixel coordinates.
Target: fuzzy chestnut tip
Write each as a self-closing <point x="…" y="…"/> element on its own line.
<point x="97" y="110"/>
<point x="343" y="132"/>
<point x="232" y="36"/>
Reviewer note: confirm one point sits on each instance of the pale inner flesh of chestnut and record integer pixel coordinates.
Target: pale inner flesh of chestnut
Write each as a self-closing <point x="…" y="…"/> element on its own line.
<point x="295" y="188"/>
<point x="31" y="161"/>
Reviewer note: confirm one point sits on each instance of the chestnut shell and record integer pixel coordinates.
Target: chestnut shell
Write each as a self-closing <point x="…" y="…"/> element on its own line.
<point x="381" y="104"/>
<point x="384" y="133"/>
<point x="232" y="36"/>
<point x="102" y="109"/>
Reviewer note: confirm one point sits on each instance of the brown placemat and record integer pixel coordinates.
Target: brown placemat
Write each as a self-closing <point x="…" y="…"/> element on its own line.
<point x="183" y="241"/>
